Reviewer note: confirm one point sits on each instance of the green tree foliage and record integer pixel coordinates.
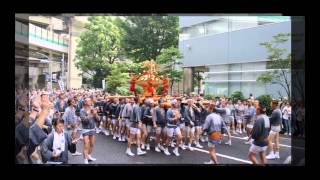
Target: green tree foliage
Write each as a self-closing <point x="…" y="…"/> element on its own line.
<point x="237" y="95"/>
<point x="280" y="60"/>
<point x="209" y="96"/>
<point x="99" y="47"/>
<point x="117" y="81"/>
<point x="170" y="59"/>
<point x="146" y="36"/>
<point x="266" y="101"/>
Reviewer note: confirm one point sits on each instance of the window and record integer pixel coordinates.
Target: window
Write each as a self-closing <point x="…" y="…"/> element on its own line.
<point x="263" y="22"/>
<point x="184" y="34"/>
<point x="217" y="26"/>
<point x="242" y="22"/>
<point x="197" y="30"/>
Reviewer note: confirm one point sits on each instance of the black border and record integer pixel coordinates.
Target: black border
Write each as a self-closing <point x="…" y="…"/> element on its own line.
<point x="73" y="6"/>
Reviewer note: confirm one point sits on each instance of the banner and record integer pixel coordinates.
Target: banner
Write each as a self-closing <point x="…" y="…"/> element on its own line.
<point x="103" y="84"/>
<point x="49" y="87"/>
<point x="61" y="85"/>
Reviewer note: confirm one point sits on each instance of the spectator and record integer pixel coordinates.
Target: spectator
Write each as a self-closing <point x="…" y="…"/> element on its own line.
<point x="61" y="104"/>
<point x="55" y="147"/>
<point x="287" y="118"/>
<point x="70" y="119"/>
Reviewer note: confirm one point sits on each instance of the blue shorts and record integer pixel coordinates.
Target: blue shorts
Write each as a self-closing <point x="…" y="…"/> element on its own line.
<point x="114" y="121"/>
<point x="90" y="133"/>
<point x="212" y="142"/>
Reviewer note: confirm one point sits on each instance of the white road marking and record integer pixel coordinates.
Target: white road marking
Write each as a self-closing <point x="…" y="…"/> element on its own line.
<point x="280" y="136"/>
<point x="282" y="145"/>
<point x="225" y="156"/>
<point x="284" y="137"/>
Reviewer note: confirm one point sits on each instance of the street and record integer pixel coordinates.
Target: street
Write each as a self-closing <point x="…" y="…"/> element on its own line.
<point x="109" y="151"/>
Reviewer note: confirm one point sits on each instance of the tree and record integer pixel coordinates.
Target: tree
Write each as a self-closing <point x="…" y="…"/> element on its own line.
<point x="266" y="101"/>
<point x="278" y="61"/>
<point x="197" y="77"/>
<point x="99" y="47"/>
<point x="237" y="95"/>
<point x="169" y="59"/>
<point x="117" y="81"/>
<point x="135" y="68"/>
<point x="209" y="96"/>
<point x="146" y="36"/>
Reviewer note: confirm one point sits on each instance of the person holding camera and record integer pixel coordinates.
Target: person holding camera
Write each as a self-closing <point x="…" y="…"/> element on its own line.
<point x="70" y="119"/>
<point x="55" y="147"/>
<point x="61" y="104"/>
<point x="36" y="133"/>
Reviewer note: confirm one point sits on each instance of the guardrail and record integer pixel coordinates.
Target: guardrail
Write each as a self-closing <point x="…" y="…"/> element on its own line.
<point x="41" y="34"/>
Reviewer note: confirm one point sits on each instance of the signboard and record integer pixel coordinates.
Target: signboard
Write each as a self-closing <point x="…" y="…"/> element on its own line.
<point x="61" y="85"/>
<point x="103" y="84"/>
<point x="49" y="88"/>
<point x="47" y="77"/>
<point x="54" y="77"/>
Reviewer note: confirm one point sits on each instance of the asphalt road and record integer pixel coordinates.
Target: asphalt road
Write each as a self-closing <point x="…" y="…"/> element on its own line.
<point x="109" y="151"/>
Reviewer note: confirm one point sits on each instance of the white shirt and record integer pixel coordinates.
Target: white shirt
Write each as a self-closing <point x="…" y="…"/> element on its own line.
<point x="228" y="111"/>
<point x="286" y="112"/>
<point x="58" y="142"/>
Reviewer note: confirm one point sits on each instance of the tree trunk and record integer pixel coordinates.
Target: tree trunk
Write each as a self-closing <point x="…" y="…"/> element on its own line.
<point x="171" y="87"/>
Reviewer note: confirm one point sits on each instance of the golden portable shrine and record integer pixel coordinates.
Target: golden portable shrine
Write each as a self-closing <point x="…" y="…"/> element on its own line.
<point x="150" y="80"/>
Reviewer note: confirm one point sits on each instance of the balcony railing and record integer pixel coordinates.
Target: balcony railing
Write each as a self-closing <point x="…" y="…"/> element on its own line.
<point x="41" y="34"/>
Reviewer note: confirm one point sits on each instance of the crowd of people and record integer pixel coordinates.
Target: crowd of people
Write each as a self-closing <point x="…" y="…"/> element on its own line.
<point x="47" y="124"/>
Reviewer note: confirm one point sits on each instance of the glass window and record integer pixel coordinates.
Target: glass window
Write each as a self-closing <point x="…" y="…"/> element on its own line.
<point x="234" y="86"/>
<point x="219" y="76"/>
<point x="217" y="26"/>
<point x="247" y="88"/>
<point x="184" y="34"/>
<point x="242" y="22"/>
<point x="273" y="19"/>
<point x="221" y="89"/>
<point x="18" y="27"/>
<point x="197" y="30"/>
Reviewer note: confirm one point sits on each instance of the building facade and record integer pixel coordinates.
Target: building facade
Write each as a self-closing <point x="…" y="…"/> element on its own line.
<point x="46" y="45"/>
<point x="226" y="52"/>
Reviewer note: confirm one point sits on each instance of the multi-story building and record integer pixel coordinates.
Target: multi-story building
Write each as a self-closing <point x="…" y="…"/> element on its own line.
<point x="44" y="45"/>
<point x="226" y="51"/>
